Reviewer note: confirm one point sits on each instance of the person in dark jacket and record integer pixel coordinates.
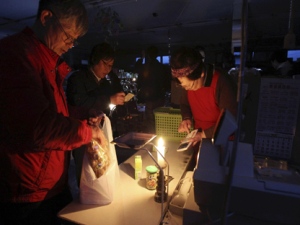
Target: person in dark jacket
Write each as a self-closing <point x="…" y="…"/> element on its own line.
<point x="281" y="65"/>
<point x="36" y="132"/>
<point x="89" y="89"/>
<point x="152" y="83"/>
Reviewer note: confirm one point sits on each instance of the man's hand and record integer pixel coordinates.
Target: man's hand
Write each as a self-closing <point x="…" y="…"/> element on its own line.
<point x="98" y="135"/>
<point x="95" y="117"/>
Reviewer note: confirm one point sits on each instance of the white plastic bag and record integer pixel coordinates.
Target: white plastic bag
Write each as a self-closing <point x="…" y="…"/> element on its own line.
<point x="100" y="190"/>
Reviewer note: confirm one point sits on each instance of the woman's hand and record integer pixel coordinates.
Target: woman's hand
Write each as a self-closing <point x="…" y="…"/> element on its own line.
<point x="185" y="126"/>
<point x="197" y="138"/>
<point x="118" y="99"/>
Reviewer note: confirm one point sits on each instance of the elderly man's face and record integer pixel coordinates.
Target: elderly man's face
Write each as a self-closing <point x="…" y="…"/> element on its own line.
<point x="61" y="35"/>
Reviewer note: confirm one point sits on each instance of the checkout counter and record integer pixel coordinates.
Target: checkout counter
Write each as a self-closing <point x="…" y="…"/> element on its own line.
<point x="254" y="199"/>
<point x="133" y="203"/>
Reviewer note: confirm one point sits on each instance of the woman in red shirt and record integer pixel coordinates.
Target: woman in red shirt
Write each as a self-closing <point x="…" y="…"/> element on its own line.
<point x="207" y="92"/>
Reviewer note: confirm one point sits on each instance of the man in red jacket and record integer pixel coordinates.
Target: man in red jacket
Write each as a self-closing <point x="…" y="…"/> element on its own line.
<point x="36" y="132"/>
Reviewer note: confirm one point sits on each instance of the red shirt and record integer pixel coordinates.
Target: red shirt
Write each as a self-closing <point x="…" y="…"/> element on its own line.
<point x="204" y="106"/>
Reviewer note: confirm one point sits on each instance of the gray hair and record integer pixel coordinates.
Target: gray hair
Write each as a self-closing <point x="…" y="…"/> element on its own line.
<point x="67" y="9"/>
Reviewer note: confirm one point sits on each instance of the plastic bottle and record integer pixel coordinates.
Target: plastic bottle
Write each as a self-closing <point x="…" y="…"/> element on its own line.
<point x="138" y="167"/>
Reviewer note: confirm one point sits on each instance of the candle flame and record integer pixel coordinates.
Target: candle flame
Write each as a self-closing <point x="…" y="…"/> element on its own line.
<point x="160" y="142"/>
<point x="161" y="153"/>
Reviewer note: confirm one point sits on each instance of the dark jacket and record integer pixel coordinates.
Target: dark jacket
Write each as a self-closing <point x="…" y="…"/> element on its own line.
<point x="35" y="130"/>
<point x="84" y="92"/>
<point x="153" y="81"/>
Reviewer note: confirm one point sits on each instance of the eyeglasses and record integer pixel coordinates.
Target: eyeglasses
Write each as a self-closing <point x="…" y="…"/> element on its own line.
<point x="69" y="39"/>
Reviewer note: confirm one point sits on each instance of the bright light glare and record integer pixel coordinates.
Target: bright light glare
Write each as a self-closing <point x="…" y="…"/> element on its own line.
<point x="112" y="106"/>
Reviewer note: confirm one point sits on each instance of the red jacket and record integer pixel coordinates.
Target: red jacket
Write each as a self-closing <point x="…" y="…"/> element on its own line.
<point x="36" y="133"/>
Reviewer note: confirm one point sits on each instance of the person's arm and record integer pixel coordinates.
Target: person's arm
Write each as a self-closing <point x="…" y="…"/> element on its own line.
<point x="185" y="109"/>
<point x="29" y="117"/>
<point x="82" y="92"/>
<point x="117" y="94"/>
<point x="186" y="113"/>
<point x="115" y="82"/>
<point x="118" y="98"/>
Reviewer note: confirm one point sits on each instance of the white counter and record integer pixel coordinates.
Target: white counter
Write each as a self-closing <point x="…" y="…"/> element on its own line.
<point x="133" y="203"/>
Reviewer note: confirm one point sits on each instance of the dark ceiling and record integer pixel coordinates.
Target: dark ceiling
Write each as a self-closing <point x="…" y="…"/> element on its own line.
<point x="132" y="25"/>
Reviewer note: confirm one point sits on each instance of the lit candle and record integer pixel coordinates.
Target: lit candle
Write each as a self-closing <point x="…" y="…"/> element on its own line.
<point x="161" y="149"/>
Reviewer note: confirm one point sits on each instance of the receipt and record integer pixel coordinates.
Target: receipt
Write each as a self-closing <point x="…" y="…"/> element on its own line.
<point x="128" y="97"/>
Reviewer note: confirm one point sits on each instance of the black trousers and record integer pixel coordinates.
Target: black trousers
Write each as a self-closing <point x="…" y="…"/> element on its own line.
<point x="35" y="213"/>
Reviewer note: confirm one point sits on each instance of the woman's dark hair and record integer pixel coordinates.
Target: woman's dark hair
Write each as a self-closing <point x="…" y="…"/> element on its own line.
<point x="187" y="57"/>
<point x="72" y="10"/>
<point x="100" y="52"/>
